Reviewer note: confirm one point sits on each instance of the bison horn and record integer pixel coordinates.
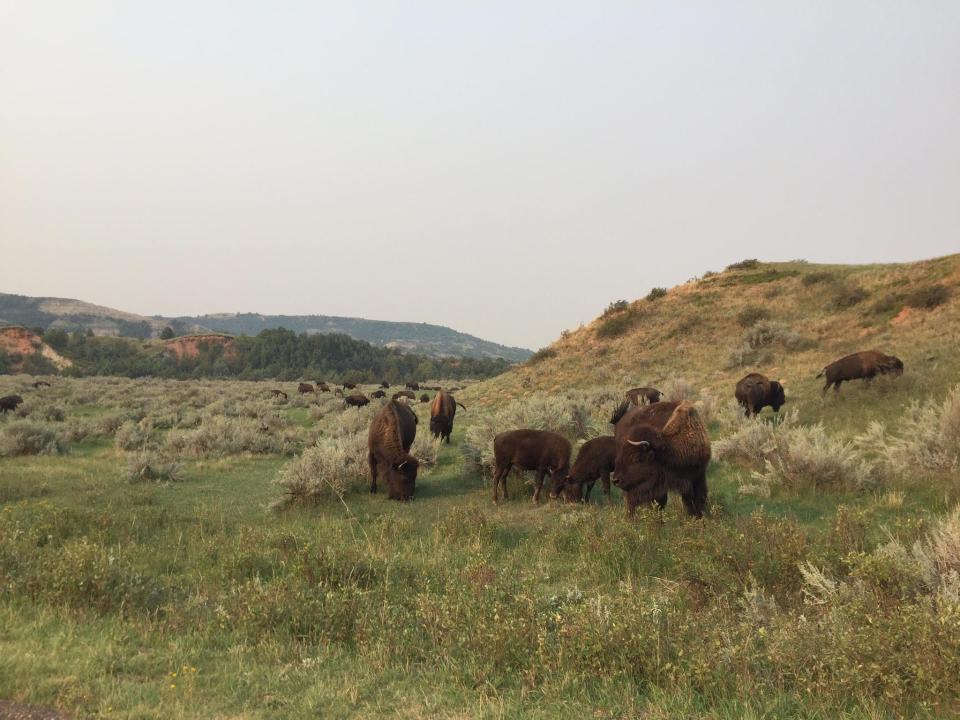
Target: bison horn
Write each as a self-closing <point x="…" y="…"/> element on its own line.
<point x="400" y="466"/>
<point x="639" y="443"/>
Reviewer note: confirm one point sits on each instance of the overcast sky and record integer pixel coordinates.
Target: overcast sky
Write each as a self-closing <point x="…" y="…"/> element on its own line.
<point x="504" y="168"/>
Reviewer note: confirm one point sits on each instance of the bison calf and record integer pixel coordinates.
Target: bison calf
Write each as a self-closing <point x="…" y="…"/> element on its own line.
<point x="866" y="365"/>
<point x="545" y="452"/>
<point x="594" y="462"/>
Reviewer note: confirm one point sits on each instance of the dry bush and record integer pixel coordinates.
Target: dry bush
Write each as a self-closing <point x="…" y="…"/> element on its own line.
<point x="149" y="468"/>
<point x="847" y="296"/>
<point x="751" y="314"/>
<point x="758" y="341"/>
<point x="328" y="470"/>
<point x="134" y="436"/>
<point x="219" y="435"/>
<point x="29" y="437"/>
<point x="425" y="448"/>
<point x="927" y="298"/>
<point x="675" y="389"/>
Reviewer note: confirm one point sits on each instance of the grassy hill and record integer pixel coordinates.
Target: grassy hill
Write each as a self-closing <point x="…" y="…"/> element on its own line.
<point x="417" y="338"/>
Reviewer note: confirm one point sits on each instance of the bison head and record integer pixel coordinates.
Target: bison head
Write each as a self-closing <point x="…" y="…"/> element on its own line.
<point x="440" y="425"/>
<point x="777" y="397"/>
<point x="637" y="469"/>
<point x="402" y="478"/>
<point x="893" y="365"/>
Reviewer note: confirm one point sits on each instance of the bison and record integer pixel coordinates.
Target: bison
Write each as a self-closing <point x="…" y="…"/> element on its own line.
<point x="9" y="403"/>
<point x="40" y="383"/>
<point x="378" y="394"/>
<point x="661" y="447"/>
<point x="323" y="387"/>
<point x="866" y="365"/>
<point x="545" y="452"/>
<point x="357" y="400"/>
<point x="424" y="398"/>
<point x="644" y="395"/>
<point x="304" y="388"/>
<point x="442" y="411"/>
<point x="384" y="384"/>
<point x="388" y="450"/>
<point x="404" y="394"/>
<point x="349" y="386"/>
<point x="279" y="393"/>
<point x="594" y="461"/>
<point x="413" y="386"/>
<point x="755" y="392"/>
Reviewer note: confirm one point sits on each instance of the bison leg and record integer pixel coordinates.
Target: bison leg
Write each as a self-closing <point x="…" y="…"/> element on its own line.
<point x="372" y="461"/>
<point x="500" y="473"/>
<point x="695" y="501"/>
<point x="661" y="502"/>
<point x="605" y="479"/>
<point x="631" y="502"/>
<point x="536" y="493"/>
<point x="588" y="489"/>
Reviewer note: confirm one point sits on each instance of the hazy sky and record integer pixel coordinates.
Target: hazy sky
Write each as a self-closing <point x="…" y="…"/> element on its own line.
<point x="504" y="168"/>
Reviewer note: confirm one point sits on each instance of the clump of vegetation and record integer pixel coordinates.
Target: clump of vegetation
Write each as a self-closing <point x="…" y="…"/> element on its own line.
<point x="149" y="468"/>
<point x="30" y="437"/>
<point x="541" y="355"/>
<point x="820" y="277"/>
<point x="928" y="298"/>
<point x="614" y="308"/>
<point x="751" y="314"/>
<point x="889" y="304"/>
<point x="847" y="296"/>
<point x="749" y="264"/>
<point x="656" y="293"/>
<point x="619" y="324"/>
<point x="759" y="340"/>
<point x="328" y="470"/>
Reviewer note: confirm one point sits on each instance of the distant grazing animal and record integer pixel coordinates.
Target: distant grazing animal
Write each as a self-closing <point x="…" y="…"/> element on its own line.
<point x="384" y="384"/>
<point x="279" y="393"/>
<point x="304" y="388"/>
<point x="357" y="400"/>
<point x="413" y="386"/>
<point x="323" y="387"/>
<point x="755" y="392"/>
<point x="545" y="452"/>
<point x="594" y="461"/>
<point x="866" y="365"/>
<point x="349" y="386"/>
<point x="404" y="394"/>
<point x="9" y="403"/>
<point x="644" y="395"/>
<point x="388" y="450"/>
<point x="378" y="394"/>
<point x="442" y="411"/>
<point x="453" y="389"/>
<point x="424" y="398"/>
<point x="661" y="447"/>
<point x="41" y="383"/>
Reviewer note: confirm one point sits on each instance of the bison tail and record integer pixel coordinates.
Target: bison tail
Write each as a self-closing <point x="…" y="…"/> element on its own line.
<point x="821" y="374"/>
<point x="462" y="405"/>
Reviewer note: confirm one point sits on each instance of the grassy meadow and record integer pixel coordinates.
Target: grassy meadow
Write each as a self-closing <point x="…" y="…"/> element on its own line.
<point x="200" y="549"/>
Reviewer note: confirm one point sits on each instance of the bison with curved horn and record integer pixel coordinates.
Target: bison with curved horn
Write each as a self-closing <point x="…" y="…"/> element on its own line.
<point x="391" y="434"/>
<point x="442" y="411"/>
<point x="661" y="448"/>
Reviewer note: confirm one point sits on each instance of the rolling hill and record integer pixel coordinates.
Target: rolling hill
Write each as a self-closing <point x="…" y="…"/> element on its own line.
<point x="419" y="338"/>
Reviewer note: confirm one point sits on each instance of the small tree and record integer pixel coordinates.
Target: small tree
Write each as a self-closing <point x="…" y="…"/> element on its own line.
<point x="167" y="333"/>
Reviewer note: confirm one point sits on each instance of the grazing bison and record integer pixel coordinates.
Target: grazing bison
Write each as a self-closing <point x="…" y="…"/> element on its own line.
<point x="866" y="365"/>
<point x="323" y="387"/>
<point x="388" y="450"/>
<point x="755" y="392"/>
<point x="41" y="383"/>
<point x="304" y="388"/>
<point x="644" y="395"/>
<point x="442" y="411"/>
<point x="594" y="461"/>
<point x="404" y="394"/>
<point x="661" y="447"/>
<point x="279" y="393"/>
<point x="378" y="394"/>
<point x="357" y="400"/>
<point x="424" y="398"/>
<point x="349" y="386"/>
<point x="540" y="450"/>
<point x="9" y="403"/>
<point x="384" y="384"/>
<point x="413" y="386"/>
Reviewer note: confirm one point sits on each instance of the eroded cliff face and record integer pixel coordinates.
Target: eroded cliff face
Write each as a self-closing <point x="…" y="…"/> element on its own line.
<point x="16" y="340"/>
<point x="189" y="346"/>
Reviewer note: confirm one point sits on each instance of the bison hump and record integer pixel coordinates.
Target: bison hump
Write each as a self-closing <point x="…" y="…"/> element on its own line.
<point x="686" y="438"/>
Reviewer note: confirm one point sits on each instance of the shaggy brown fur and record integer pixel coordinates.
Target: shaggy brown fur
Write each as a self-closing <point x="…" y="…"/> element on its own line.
<point x="442" y="411"/>
<point x="388" y="450"/>
<point x="357" y="400"/>
<point x="644" y="395"/>
<point x="9" y="403"/>
<point x="594" y="461"/>
<point x="540" y="450"/>
<point x="755" y="392"/>
<point x="866" y="365"/>
<point x="662" y="447"/>
<point x="304" y="388"/>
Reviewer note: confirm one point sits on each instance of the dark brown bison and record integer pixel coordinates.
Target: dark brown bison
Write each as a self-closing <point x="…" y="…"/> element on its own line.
<point x="424" y="398"/>
<point x="357" y="400"/>
<point x="866" y="365"/>
<point x="388" y="450"/>
<point x="545" y="452"/>
<point x="41" y="383"/>
<point x="323" y="387"/>
<point x="384" y="384"/>
<point x="594" y="461"/>
<point x="644" y="395"/>
<point x="404" y="394"/>
<point x="755" y="392"/>
<point x="442" y="411"/>
<point x="9" y="403"/>
<point x="304" y="388"/>
<point x="661" y="447"/>
<point x="279" y="393"/>
<point x="378" y="394"/>
<point x="413" y="386"/>
<point x="349" y="386"/>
